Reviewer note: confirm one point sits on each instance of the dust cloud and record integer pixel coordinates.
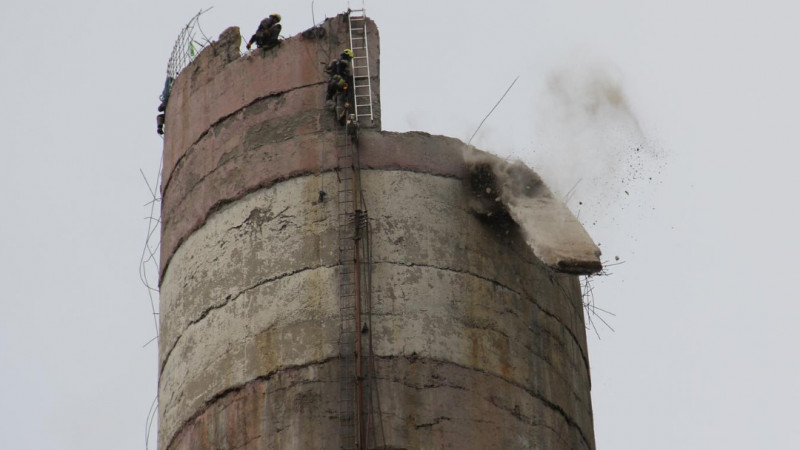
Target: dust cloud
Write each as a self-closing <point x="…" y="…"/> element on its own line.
<point x="589" y="144"/>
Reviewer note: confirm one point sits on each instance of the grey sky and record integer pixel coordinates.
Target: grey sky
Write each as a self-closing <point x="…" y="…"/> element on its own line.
<point x="704" y="354"/>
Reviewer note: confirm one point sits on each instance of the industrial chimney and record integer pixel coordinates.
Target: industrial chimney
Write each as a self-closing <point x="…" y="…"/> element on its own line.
<point x="336" y="287"/>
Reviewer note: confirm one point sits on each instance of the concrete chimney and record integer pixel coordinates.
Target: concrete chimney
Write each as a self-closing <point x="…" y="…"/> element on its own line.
<point x="476" y="343"/>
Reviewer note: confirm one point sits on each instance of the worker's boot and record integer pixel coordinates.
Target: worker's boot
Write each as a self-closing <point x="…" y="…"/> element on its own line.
<point x="352" y="128"/>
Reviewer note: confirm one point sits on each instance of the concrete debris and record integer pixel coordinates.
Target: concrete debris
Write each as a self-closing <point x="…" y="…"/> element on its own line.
<point x="511" y="189"/>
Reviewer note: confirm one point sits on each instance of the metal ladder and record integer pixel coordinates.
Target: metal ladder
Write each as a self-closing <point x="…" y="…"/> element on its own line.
<point x="362" y="88"/>
<point x="349" y="404"/>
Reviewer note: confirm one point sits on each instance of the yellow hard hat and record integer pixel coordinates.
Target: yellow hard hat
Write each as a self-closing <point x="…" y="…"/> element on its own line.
<point x="348" y="52"/>
<point x="276" y="16"/>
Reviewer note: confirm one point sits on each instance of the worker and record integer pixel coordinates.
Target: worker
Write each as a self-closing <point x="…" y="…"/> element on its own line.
<point x="266" y="35"/>
<point x="338" y="91"/>
<point x="341" y="66"/>
<point x="164" y="97"/>
<point x="336" y="84"/>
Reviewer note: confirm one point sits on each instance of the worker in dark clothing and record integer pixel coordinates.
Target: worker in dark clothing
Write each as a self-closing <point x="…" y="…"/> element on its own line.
<point x="335" y="85"/>
<point x="164" y="97"/>
<point x="163" y="106"/>
<point x="267" y="33"/>
<point x="338" y="91"/>
<point x="341" y="66"/>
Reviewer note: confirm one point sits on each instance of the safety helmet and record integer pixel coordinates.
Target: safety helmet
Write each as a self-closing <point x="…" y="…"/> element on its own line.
<point x="348" y="53"/>
<point x="276" y="16"/>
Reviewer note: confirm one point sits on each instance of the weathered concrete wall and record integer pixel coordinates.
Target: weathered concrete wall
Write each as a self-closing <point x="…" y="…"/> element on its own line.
<point x="477" y="343"/>
<point x="253" y="293"/>
<point x="224" y="109"/>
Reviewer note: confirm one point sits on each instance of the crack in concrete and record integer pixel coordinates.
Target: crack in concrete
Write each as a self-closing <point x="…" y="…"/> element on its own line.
<point x="421" y="387"/>
<point x="295" y="383"/>
<point x="436" y="421"/>
<point x="231" y="298"/>
<point x="261" y="221"/>
<point x="472" y="324"/>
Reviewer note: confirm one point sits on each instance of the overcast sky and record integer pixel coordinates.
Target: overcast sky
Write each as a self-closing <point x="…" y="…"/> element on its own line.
<point x="703" y="215"/>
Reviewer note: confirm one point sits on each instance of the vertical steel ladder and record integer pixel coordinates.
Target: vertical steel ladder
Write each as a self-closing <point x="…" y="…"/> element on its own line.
<point x="362" y="89"/>
<point x="348" y="280"/>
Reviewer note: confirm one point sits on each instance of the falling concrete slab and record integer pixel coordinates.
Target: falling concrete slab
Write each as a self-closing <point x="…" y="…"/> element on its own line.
<point x="511" y="189"/>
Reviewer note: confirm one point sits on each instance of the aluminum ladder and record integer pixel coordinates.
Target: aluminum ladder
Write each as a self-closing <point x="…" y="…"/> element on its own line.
<point x="362" y="87"/>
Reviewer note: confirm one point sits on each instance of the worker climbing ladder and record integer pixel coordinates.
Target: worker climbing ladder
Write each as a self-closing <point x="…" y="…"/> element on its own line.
<point x="362" y="88"/>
